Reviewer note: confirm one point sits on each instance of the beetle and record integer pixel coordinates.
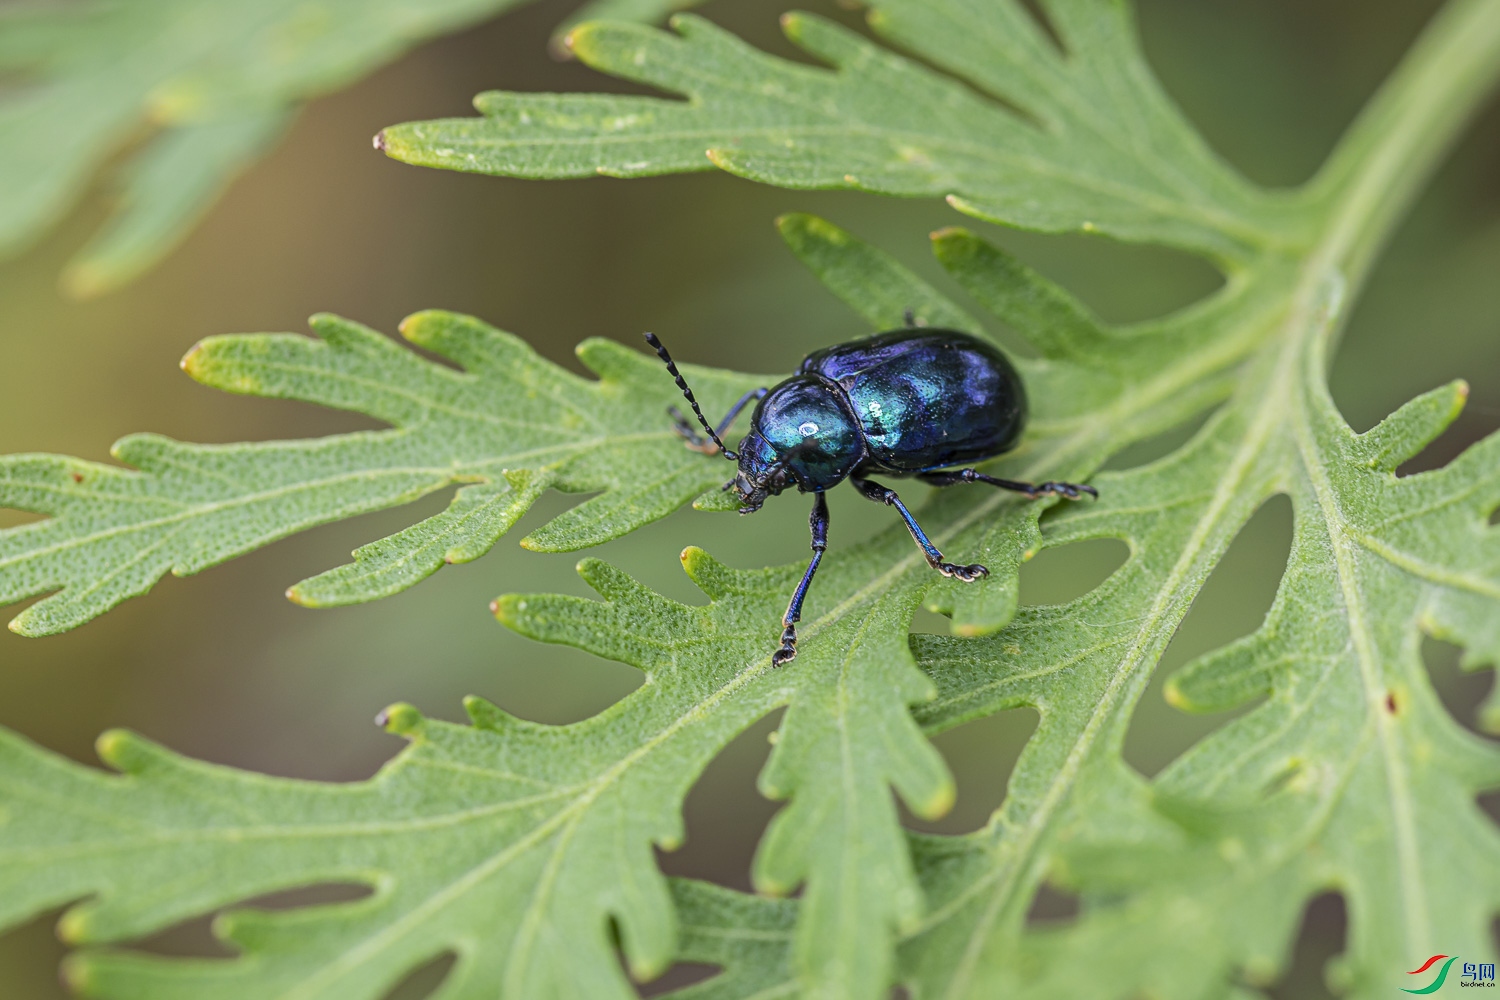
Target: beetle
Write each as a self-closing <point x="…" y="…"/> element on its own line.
<point x="917" y="402"/>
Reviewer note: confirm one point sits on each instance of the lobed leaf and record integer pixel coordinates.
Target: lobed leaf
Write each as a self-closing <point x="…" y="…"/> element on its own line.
<point x="1082" y="141"/>
<point x="1077" y="136"/>
<point x="847" y="735"/>
<point x="510" y="423"/>
<point x="1348" y="775"/>
<point x="510" y="844"/>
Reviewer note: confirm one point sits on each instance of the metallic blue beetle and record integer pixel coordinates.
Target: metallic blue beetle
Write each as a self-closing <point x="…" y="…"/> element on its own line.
<point x="911" y="402"/>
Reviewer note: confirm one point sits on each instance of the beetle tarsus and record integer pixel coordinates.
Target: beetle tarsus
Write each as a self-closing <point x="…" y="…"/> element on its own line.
<point x="1072" y="491"/>
<point x="788" y="650"/>
<point x="968" y="574"/>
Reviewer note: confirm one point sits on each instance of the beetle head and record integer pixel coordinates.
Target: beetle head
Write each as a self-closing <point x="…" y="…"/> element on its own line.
<point x="762" y="474"/>
<point x="804" y="434"/>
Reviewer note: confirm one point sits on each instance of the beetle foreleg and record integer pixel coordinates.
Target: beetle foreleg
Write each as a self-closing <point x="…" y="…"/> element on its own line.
<point x="1048" y="489"/>
<point x="819" y="524"/>
<point x="881" y="494"/>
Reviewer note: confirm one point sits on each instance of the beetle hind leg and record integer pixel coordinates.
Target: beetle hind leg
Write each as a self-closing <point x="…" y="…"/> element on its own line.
<point x="1072" y="491"/>
<point x="880" y="494"/>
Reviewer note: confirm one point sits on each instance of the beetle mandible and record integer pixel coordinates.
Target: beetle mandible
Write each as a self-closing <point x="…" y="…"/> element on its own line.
<point x="910" y="402"/>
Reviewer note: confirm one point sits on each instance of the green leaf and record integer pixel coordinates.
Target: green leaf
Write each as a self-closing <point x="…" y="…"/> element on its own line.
<point x="510" y="422"/>
<point x="748" y="937"/>
<point x="509" y="842"/>
<point x="1348" y="775"/>
<point x="1094" y="146"/>
<point x="504" y="843"/>
<point x="166" y="188"/>
<point x="213" y="84"/>
<point x="1200" y="876"/>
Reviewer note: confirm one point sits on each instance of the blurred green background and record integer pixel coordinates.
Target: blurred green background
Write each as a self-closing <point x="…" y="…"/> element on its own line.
<point x="221" y="667"/>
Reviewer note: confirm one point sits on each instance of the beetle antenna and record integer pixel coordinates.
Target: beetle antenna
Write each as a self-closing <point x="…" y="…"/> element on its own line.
<point x="687" y="393"/>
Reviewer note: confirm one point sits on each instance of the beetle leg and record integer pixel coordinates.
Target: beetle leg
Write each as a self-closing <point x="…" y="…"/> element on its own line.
<point x="881" y="494"/>
<point x="697" y="442"/>
<point x="819" y="524"/>
<point x="1048" y="489"/>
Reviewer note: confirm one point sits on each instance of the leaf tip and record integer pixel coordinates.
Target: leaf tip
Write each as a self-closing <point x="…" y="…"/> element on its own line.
<point x="949" y="233"/>
<point x="768" y="786"/>
<point x="717" y="500"/>
<point x="75" y="970"/>
<point x="485" y="714"/>
<point x="791" y="222"/>
<point x="769" y="885"/>
<point x="426" y="327"/>
<point x="558" y="47"/>
<point x="121" y="749"/>
<point x="963" y="205"/>
<point x="592" y="568"/>
<point x="971" y="630"/>
<point x="939" y="803"/>
<point x="508" y="610"/>
<point x="73" y="929"/>
<point x="191" y="361"/>
<point x="697" y="562"/>
<point x="708" y="574"/>
<point x="793" y="24"/>
<point x="643" y="971"/>
<point x="400" y="719"/>
<point x="583" y="42"/>
<point x="952" y="240"/>
<point x="796" y="227"/>
<point x="1489" y="717"/>
<point x="379" y="141"/>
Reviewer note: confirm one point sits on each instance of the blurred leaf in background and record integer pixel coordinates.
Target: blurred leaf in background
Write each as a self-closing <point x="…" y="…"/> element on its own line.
<point x="186" y="92"/>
